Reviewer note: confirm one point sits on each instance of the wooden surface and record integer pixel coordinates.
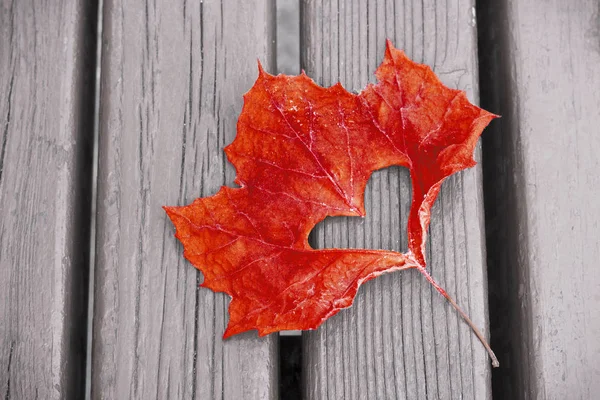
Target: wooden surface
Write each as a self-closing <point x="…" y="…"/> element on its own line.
<point x="401" y="339"/>
<point x="46" y="99"/>
<point x="288" y="40"/>
<point x="543" y="64"/>
<point x="173" y="75"/>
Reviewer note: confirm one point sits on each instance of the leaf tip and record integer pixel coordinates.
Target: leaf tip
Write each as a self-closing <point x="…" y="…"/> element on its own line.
<point x="391" y="50"/>
<point x="170" y="210"/>
<point x="227" y="334"/>
<point x="360" y="211"/>
<point x="261" y="71"/>
<point x="389" y="45"/>
<point x="232" y="330"/>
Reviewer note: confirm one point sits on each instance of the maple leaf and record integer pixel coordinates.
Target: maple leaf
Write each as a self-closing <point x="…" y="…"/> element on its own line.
<point x="304" y="152"/>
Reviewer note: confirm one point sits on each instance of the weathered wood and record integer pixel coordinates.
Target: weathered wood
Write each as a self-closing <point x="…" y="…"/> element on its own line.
<point x="173" y="75"/>
<point x="401" y="339"/>
<point x="288" y="40"/>
<point x="542" y="73"/>
<point x="46" y="116"/>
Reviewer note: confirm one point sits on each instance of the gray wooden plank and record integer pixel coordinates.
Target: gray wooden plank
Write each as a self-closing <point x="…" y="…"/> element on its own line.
<point x="46" y="117"/>
<point x="543" y="75"/>
<point x="401" y="339"/>
<point x="288" y="31"/>
<point x="173" y="76"/>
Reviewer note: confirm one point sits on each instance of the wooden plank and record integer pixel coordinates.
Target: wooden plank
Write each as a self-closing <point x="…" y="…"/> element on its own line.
<point x="543" y="76"/>
<point x="401" y="339"/>
<point x="172" y="83"/>
<point x="46" y="117"/>
<point x="288" y="40"/>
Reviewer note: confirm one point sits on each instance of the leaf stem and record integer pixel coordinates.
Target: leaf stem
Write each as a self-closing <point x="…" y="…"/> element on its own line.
<point x="479" y="335"/>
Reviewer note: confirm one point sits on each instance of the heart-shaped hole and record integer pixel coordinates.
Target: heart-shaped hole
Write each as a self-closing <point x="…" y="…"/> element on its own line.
<point x="387" y="204"/>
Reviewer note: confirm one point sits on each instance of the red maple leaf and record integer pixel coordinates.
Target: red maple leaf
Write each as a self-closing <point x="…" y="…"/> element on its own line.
<point x="304" y="152"/>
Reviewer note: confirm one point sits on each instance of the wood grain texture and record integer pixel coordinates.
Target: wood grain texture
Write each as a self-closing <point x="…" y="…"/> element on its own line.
<point x="288" y="40"/>
<point x="46" y="116"/>
<point x="401" y="339"/>
<point x="172" y="83"/>
<point x="543" y="75"/>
